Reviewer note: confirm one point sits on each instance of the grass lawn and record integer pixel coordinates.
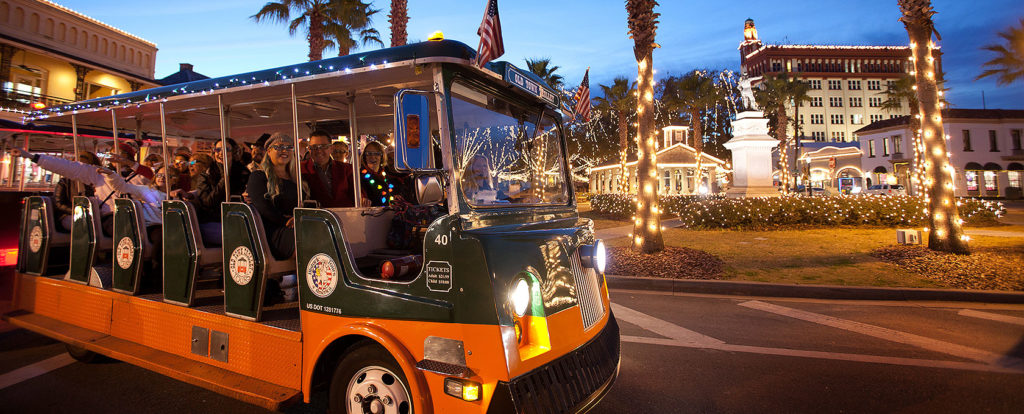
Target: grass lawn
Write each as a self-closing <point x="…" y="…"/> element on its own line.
<point x="601" y="221"/>
<point x="832" y="256"/>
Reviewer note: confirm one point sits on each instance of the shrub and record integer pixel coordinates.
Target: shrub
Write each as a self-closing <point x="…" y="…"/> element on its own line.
<point x="805" y="211"/>
<point x="624" y="205"/>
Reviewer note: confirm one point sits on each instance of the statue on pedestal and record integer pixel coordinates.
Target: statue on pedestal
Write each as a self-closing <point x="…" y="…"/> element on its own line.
<point x="747" y="94"/>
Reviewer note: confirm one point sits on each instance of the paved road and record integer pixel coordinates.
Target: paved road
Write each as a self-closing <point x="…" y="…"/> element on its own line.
<point x="681" y="353"/>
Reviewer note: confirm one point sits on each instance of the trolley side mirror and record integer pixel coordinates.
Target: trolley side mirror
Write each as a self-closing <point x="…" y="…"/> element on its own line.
<point x="413" y="151"/>
<point x="428" y="190"/>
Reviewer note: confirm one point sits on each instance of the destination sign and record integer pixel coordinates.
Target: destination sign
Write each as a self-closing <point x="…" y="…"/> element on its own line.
<point x="521" y="80"/>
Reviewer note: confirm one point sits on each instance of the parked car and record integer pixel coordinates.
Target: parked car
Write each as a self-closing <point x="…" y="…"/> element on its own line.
<point x="815" y="191"/>
<point x="886" y="189"/>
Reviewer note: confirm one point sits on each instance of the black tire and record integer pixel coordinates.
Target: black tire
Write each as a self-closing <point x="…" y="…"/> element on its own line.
<point x="363" y="359"/>
<point x="85" y="356"/>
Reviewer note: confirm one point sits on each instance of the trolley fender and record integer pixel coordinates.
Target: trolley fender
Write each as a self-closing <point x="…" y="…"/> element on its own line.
<point x="417" y="381"/>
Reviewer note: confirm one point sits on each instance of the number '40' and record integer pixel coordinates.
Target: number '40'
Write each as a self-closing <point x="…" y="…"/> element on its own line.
<point x="441" y="239"/>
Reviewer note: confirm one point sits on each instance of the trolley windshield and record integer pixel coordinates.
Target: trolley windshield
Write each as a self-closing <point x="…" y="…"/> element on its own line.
<point x="507" y="152"/>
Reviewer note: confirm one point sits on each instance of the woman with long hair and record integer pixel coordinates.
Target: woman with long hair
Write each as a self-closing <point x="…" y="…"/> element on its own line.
<point x="273" y="194"/>
<point x="373" y="176"/>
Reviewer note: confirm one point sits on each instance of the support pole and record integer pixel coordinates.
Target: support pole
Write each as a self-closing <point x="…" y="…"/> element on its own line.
<point x="224" y="149"/>
<point x="163" y="143"/>
<point x="295" y="138"/>
<point x="353" y="150"/>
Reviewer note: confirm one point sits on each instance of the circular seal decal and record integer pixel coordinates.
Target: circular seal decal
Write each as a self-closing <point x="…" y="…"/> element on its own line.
<point x="241" y="265"/>
<point x="125" y="252"/>
<point x="322" y="275"/>
<point x="35" y="239"/>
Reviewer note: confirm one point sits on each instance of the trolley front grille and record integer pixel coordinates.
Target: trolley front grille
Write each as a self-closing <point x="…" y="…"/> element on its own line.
<point x="588" y="292"/>
<point x="567" y="382"/>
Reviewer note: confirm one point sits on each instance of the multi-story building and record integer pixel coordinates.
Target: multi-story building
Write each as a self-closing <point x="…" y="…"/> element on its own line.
<point x="847" y="83"/>
<point x="50" y="54"/>
<point x="984" y="147"/>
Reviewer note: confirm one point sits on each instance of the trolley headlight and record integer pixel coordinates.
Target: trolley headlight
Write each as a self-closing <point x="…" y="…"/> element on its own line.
<point x="594" y="256"/>
<point x="520" y="297"/>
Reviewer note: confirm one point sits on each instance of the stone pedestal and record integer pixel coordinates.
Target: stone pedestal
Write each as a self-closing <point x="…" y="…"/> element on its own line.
<point x="751" y="148"/>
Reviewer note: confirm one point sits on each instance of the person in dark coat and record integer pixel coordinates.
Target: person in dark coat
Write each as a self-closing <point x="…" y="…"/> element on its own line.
<point x="330" y="182"/>
<point x="239" y="172"/>
<point x="66" y="190"/>
<point x="273" y="194"/>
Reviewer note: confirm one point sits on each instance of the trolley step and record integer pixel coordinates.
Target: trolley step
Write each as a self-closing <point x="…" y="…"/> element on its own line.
<point x="222" y="381"/>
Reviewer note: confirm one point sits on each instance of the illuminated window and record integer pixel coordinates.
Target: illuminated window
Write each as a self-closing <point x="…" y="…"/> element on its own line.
<point x="990" y="181"/>
<point x="668" y="180"/>
<point x="857" y="119"/>
<point x="972" y="180"/>
<point x="1014" y="178"/>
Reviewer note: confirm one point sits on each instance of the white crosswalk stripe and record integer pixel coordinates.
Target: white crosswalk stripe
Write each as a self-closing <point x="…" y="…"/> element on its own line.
<point x="991" y="316"/>
<point x="31" y="371"/>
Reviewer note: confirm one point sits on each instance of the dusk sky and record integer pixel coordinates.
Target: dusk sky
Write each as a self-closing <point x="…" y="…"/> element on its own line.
<point x="218" y="37"/>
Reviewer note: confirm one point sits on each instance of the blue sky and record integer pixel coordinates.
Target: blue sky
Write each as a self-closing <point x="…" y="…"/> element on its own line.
<point x="218" y="37"/>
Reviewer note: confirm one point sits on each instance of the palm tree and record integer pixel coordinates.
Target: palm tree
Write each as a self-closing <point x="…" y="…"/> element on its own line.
<point x="898" y="92"/>
<point x="643" y="23"/>
<point x="399" y="19"/>
<point x="774" y="94"/>
<point x="1008" y="65"/>
<point x="693" y="94"/>
<point x="313" y="15"/>
<point x="542" y="67"/>
<point x="620" y="99"/>
<point x="352" y="20"/>
<point x="947" y="234"/>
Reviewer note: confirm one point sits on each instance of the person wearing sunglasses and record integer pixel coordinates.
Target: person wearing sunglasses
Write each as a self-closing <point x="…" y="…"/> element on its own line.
<point x="206" y="196"/>
<point x="330" y="182"/>
<point x="273" y="194"/>
<point x="239" y="173"/>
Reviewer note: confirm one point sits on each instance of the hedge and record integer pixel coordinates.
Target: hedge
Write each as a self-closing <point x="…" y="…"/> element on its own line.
<point x="715" y="212"/>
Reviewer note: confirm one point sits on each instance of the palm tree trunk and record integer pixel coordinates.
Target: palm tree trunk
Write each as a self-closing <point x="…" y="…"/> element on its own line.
<point x="698" y="145"/>
<point x="647" y="228"/>
<point x="780" y="129"/>
<point x="623" y="146"/>
<point x="316" y="37"/>
<point x="399" y="19"/>
<point x="945" y="223"/>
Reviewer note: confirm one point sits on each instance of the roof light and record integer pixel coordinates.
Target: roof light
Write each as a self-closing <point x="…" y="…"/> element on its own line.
<point x="38" y="105"/>
<point x="437" y="36"/>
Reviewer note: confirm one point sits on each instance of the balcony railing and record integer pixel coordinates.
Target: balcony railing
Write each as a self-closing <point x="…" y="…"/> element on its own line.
<point x="15" y="99"/>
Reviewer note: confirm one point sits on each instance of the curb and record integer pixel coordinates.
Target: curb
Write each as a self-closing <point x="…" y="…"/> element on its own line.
<point x="725" y="287"/>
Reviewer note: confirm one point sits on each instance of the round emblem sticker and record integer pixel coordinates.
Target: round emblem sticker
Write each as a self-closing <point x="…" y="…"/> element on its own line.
<point x="125" y="252"/>
<point x="35" y="239"/>
<point x="241" y="265"/>
<point x="322" y="275"/>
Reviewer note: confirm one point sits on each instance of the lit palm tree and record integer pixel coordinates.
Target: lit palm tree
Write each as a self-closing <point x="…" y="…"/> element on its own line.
<point x="898" y="92"/>
<point x="542" y="67"/>
<point x="945" y="223"/>
<point x="351" y="25"/>
<point x="620" y="99"/>
<point x="399" y="19"/>
<point x="1008" y="65"/>
<point x="774" y="94"/>
<point x="693" y="94"/>
<point x="643" y="23"/>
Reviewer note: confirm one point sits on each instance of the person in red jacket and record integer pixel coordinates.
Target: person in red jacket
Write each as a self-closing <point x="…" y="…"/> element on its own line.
<point x="330" y="181"/>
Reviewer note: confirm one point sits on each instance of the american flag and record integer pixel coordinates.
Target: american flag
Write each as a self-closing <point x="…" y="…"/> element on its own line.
<point x="582" y="98"/>
<point x="491" y="46"/>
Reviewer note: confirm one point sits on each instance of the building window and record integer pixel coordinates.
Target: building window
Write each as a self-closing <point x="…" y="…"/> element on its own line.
<point x="776" y="66"/>
<point x="838" y="136"/>
<point x="667" y="178"/>
<point x="837" y="119"/>
<point x="876" y="118"/>
<point x="1015" y="139"/>
<point x="835" y="101"/>
<point x="993" y="141"/>
<point x="893" y="116"/>
<point x="874" y="85"/>
<point x="967" y="140"/>
<point x="856" y="102"/>
<point x="679" y="180"/>
<point x="835" y="85"/>
<point x="1014" y="179"/>
<point x="856" y="119"/>
<point x="885" y="147"/>
<point x="814" y="84"/>
<point x="874" y="102"/>
<point x="890" y="84"/>
<point x="818" y="136"/>
<point x="897" y="144"/>
<point x="816" y="101"/>
<point x="972" y="180"/>
<point x="817" y="119"/>
<point x="853" y="85"/>
<point x="990" y="181"/>
<point x="871" y="148"/>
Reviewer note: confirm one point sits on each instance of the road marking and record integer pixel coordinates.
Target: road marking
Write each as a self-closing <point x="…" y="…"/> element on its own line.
<point x="660" y="327"/>
<point x="930" y="344"/>
<point x="914" y="362"/>
<point x="39" y="368"/>
<point x="991" y="316"/>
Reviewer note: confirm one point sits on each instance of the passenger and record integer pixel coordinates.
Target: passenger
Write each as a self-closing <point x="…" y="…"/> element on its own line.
<point x="154" y="161"/>
<point x="272" y="191"/>
<point x="373" y="177"/>
<point x="150" y="198"/>
<point x="66" y="190"/>
<point x="339" y="152"/>
<point x="206" y="197"/>
<point x="184" y="178"/>
<point x="239" y="173"/>
<point x="330" y="182"/>
<point x="136" y="173"/>
<point x="476" y="181"/>
<point x="256" y="151"/>
<point x="84" y="173"/>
